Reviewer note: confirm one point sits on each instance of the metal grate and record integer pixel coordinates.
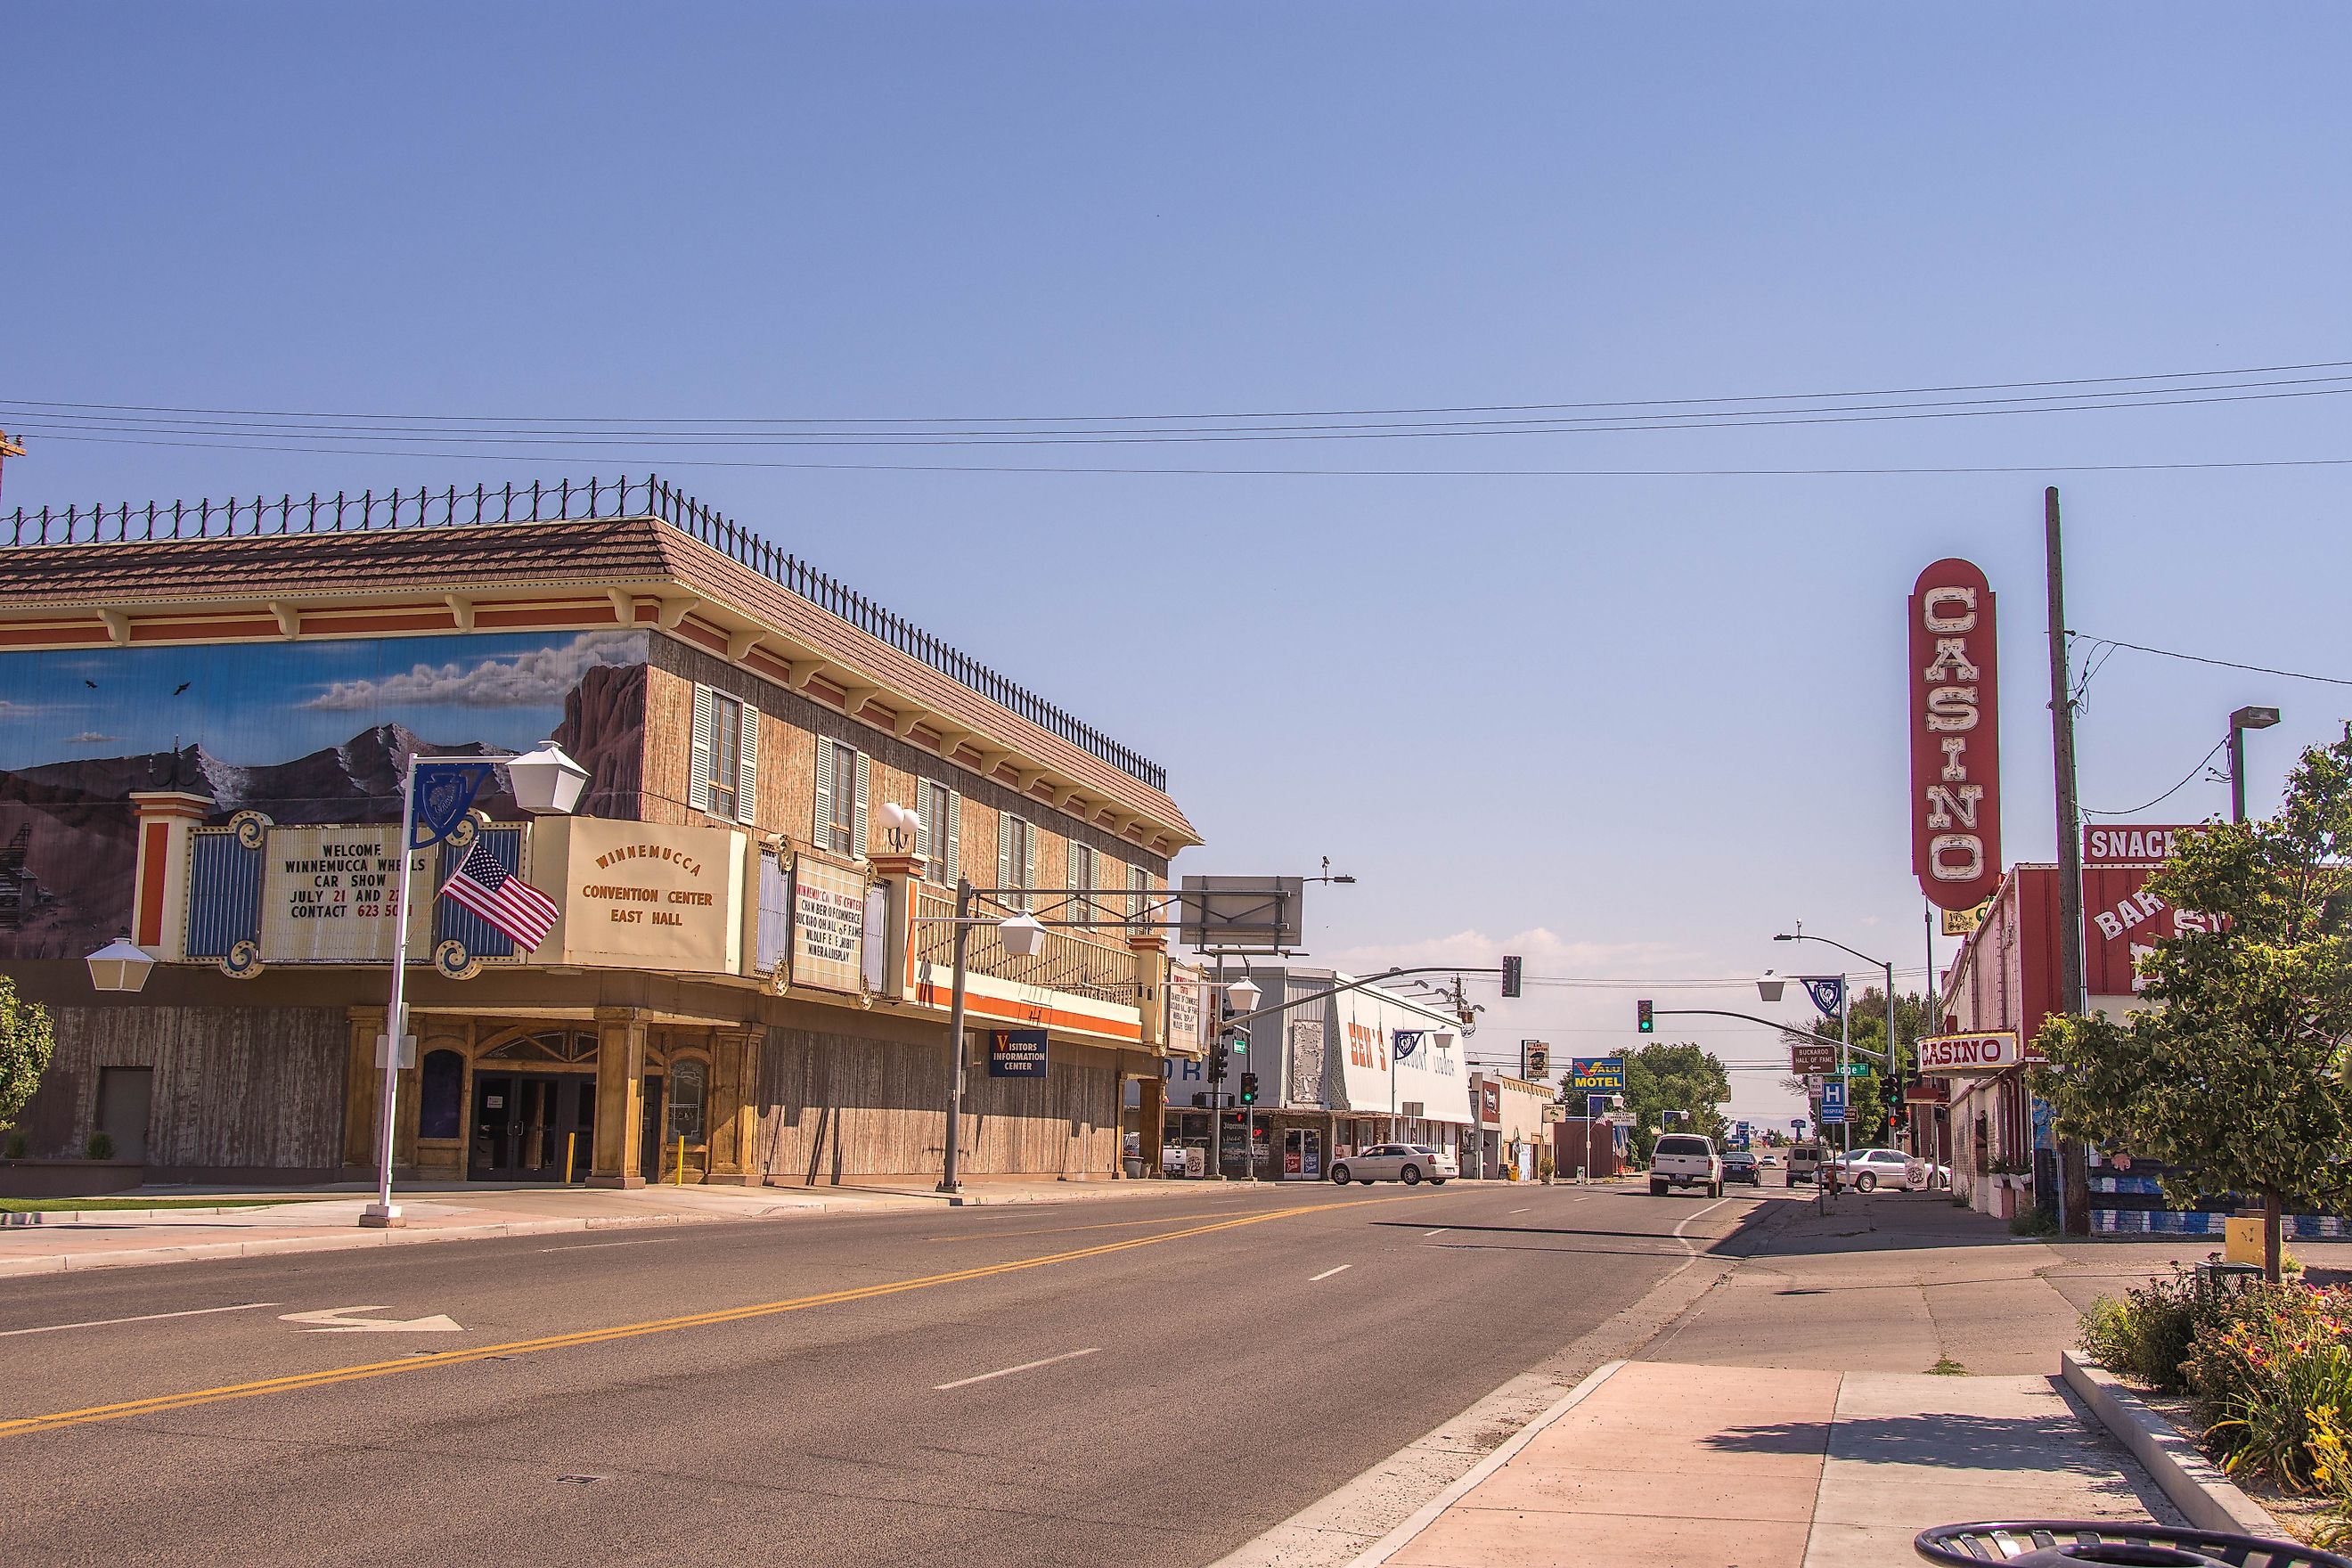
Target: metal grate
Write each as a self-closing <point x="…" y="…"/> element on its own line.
<point x="564" y="502"/>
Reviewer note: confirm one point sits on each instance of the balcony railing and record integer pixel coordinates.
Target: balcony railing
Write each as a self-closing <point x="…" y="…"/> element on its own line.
<point x="565" y="502"/>
<point x="1070" y="962"/>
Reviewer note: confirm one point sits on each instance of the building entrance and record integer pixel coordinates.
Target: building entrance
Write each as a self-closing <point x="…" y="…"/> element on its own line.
<point x="529" y="1126"/>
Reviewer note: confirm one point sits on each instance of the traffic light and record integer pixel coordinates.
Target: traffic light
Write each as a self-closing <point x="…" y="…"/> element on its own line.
<point x="1511" y="966"/>
<point x="1642" y="1021"/>
<point x="1249" y="1089"/>
<point x="1217" y="1062"/>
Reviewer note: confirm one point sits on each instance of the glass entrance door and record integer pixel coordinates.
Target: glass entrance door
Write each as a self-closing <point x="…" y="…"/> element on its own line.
<point x="1302" y="1154"/>
<point x="530" y="1127"/>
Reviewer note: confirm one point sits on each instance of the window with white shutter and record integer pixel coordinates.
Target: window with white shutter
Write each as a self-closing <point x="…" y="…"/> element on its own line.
<point x="698" y="756"/>
<point x="724" y="787"/>
<point x="1080" y="863"/>
<point x="842" y="779"/>
<point x="1016" y="858"/>
<point x="1138" y="892"/>
<point x="937" y="809"/>
<point x="747" y="768"/>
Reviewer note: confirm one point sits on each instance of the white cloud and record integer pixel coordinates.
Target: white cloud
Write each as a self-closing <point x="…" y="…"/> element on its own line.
<point x="8" y="708"/>
<point x="90" y="738"/>
<point x="538" y="679"/>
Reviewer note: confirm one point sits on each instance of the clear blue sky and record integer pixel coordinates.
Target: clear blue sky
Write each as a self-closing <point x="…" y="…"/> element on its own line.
<point x="1653" y="718"/>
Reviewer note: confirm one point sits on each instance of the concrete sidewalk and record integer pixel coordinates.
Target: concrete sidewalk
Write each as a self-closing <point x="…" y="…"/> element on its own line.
<point x="1866" y="1373"/>
<point x="327" y="1218"/>
<point x="1677" y="1466"/>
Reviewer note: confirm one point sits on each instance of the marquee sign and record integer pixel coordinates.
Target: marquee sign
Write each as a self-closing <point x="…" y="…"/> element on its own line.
<point x="1955" y="737"/>
<point x="1987" y="1052"/>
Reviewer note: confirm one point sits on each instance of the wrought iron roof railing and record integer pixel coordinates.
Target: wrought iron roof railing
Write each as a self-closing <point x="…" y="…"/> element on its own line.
<point x="565" y="502"/>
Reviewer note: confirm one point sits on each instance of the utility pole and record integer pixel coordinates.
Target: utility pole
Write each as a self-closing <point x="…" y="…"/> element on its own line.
<point x="1220" y="1063"/>
<point x="2073" y="1171"/>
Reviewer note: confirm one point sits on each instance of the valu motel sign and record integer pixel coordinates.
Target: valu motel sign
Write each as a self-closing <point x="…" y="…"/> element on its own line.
<point x="1955" y="737"/>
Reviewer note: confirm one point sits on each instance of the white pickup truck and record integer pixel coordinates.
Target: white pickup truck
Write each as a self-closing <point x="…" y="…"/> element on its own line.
<point x="1686" y="1159"/>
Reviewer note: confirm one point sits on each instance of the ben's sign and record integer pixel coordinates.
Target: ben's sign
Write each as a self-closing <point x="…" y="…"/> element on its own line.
<point x="1969" y="1053"/>
<point x="1955" y="737"/>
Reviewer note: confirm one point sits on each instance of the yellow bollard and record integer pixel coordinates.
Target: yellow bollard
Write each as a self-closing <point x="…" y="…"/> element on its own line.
<point x="570" y="1143"/>
<point x="681" y="1160"/>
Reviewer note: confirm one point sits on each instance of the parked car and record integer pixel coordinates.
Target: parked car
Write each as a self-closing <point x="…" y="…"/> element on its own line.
<point x="1408" y="1163"/>
<point x="1740" y="1165"/>
<point x="1867" y="1169"/>
<point x="1686" y="1159"/>
<point x="1804" y="1163"/>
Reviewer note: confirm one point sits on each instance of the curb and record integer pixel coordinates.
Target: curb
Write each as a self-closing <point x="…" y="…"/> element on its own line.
<point x="2205" y="1497"/>
<point x="13" y="1218"/>
<point x="134" y="1258"/>
<point x="1396" y="1539"/>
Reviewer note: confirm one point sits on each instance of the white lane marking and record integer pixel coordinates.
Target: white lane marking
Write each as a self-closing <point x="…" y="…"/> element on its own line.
<point x="592" y="1245"/>
<point x="1008" y="1372"/>
<point x="1518" y="1211"/>
<point x="1698" y="1214"/>
<point x="338" y="1321"/>
<point x="1441" y="1230"/>
<point x="1329" y="1272"/>
<point x="142" y="1318"/>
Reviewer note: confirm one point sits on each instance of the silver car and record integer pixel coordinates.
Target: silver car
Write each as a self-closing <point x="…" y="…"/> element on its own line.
<point x="1408" y="1163"/>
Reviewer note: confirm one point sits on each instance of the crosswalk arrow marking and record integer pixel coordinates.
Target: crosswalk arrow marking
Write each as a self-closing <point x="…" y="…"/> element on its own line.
<point x="340" y="1320"/>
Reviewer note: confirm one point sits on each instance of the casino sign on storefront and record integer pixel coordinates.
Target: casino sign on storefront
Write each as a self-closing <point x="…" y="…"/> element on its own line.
<point x="1985" y="1052"/>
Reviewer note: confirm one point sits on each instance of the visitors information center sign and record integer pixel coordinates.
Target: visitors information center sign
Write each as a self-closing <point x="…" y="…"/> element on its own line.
<point x="1955" y="737"/>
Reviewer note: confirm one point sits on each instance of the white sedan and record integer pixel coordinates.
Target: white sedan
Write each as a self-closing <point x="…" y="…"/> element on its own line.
<point x="1865" y="1169"/>
<point x="1408" y="1163"/>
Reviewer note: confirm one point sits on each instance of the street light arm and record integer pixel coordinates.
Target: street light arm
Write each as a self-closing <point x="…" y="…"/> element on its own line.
<point x="1359" y="985"/>
<point x="1878" y="1056"/>
<point x="1808" y="936"/>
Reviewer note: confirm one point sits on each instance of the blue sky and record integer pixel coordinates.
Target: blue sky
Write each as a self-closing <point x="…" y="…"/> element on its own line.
<point x="1631" y="724"/>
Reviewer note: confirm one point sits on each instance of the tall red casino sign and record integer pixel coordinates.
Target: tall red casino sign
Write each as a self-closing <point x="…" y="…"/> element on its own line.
<point x="1955" y="737"/>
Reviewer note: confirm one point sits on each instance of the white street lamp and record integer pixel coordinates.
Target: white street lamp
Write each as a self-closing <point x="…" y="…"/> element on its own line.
<point x="120" y="966"/>
<point x="1022" y="935"/>
<point x="545" y="781"/>
<point x="1769" y="986"/>
<point x="1245" y="995"/>
<point x="899" y="822"/>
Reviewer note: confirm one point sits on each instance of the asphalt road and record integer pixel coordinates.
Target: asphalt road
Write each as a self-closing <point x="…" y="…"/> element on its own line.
<point x="1171" y="1375"/>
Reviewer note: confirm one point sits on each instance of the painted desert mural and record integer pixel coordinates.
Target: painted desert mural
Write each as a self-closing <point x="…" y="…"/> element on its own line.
<point x="306" y="732"/>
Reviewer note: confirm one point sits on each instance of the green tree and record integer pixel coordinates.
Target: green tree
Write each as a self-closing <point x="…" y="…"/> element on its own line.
<point x="1663" y="1078"/>
<point x="2234" y="1074"/>
<point x="1868" y="1100"/>
<point x="26" y="1043"/>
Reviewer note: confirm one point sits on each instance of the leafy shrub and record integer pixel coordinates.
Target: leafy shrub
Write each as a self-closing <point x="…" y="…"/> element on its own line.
<point x="2278" y="1424"/>
<point x="2146" y="1335"/>
<point x="2243" y="1338"/>
<point x="2032" y="1221"/>
<point x="99" y="1147"/>
<point x="17" y="1145"/>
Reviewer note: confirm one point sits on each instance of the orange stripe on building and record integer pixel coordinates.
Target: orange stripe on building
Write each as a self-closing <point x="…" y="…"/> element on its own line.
<point x="153" y="848"/>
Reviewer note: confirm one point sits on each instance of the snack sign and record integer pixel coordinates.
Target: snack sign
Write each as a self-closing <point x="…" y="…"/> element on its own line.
<point x="1955" y="737"/>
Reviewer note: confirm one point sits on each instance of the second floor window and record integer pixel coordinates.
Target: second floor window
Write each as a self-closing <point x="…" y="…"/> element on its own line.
<point x="1084" y="865"/>
<point x="1016" y="858"/>
<point x="1138" y="892"/>
<point x="939" y="832"/>
<point x="723" y="761"/>
<point x="844" y="775"/>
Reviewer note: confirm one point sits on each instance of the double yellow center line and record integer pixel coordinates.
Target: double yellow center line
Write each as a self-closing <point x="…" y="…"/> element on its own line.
<point x="296" y="1382"/>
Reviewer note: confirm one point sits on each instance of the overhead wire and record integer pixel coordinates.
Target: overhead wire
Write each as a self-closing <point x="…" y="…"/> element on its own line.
<point x="2220" y="663"/>
<point x="2168" y="794"/>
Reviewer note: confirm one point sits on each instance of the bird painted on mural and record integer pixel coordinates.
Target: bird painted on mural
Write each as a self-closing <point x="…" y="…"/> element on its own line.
<point x="182" y="686"/>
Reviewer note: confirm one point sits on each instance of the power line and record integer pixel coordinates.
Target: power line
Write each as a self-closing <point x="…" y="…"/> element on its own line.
<point x="1292" y="414"/>
<point x="2221" y="663"/>
<point x="544" y="459"/>
<point x="59" y="425"/>
<point x="2168" y="794"/>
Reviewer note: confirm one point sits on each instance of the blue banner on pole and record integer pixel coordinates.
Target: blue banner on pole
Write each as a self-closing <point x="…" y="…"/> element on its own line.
<point x="1403" y="1042"/>
<point x="1827" y="992"/>
<point x="444" y="793"/>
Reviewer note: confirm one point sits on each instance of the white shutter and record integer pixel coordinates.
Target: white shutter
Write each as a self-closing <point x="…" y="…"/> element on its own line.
<point x="747" y="768"/>
<point x="821" y="836"/>
<point x="1028" y="861"/>
<point x="954" y="835"/>
<point x="698" y="756"/>
<point x="857" y="816"/>
<point x="1004" y="849"/>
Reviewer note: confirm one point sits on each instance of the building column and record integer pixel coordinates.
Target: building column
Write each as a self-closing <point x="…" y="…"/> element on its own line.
<point x="620" y="1098"/>
<point x="363" y="1088"/>
<point x="733" y="1111"/>
<point x="1150" y="1121"/>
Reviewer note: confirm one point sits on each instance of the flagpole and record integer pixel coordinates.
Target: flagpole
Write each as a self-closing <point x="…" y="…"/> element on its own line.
<point x="383" y="1212"/>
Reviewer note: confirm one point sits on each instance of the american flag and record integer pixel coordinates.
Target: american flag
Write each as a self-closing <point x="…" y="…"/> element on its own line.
<point x="521" y="911"/>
